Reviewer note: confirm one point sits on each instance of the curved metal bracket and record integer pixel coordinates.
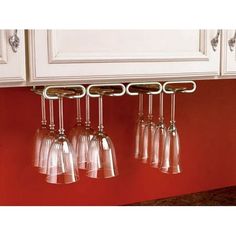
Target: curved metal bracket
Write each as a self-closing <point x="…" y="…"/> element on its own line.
<point x="49" y="96"/>
<point x="99" y="92"/>
<point x="185" y="90"/>
<point x="148" y="90"/>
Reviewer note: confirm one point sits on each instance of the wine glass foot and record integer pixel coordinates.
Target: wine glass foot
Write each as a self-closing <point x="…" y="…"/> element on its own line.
<point x="102" y="175"/>
<point x="62" y="179"/>
<point x="171" y="170"/>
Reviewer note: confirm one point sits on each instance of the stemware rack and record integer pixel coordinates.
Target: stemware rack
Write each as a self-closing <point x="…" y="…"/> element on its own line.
<point x="94" y="90"/>
<point x="147" y="136"/>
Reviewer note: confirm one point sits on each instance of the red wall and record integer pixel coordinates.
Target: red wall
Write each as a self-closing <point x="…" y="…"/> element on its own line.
<point x="206" y="122"/>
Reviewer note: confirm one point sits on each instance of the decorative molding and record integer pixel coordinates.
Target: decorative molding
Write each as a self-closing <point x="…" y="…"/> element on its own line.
<point x="56" y="57"/>
<point x="127" y="77"/>
<point x="3" y="47"/>
<point x="203" y="42"/>
<point x="32" y="56"/>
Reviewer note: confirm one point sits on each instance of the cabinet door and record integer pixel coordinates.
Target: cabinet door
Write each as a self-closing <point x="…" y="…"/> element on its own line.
<point x="121" y="55"/>
<point x="228" y="61"/>
<point x="12" y="64"/>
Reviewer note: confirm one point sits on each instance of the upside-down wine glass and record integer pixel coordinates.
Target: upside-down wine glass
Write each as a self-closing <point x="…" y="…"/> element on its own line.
<point x="47" y="142"/>
<point x="139" y="130"/>
<point x="40" y="134"/>
<point x="78" y="127"/>
<point x="84" y="139"/>
<point x="62" y="164"/>
<point x="148" y="134"/>
<point x="159" y="138"/>
<point x="101" y="154"/>
<point x="171" y="160"/>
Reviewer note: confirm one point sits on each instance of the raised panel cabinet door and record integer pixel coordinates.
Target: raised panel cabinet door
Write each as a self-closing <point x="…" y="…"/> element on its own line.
<point x="228" y="62"/>
<point x="122" y="55"/>
<point x="12" y="63"/>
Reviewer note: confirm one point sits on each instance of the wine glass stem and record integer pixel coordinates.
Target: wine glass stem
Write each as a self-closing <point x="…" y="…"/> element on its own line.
<point x="78" y="111"/>
<point x="150" y="102"/>
<point x="43" y="111"/>
<point x="172" y="108"/>
<point x="87" y="122"/>
<point x="161" y="115"/>
<point x="61" y="118"/>
<point x="51" y="113"/>
<point x="140" y="105"/>
<point x="100" y="107"/>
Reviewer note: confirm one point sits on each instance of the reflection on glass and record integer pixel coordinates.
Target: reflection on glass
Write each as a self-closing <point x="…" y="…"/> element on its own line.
<point x="84" y="139"/>
<point x="78" y="128"/>
<point x="148" y="135"/>
<point x="47" y="142"/>
<point x="159" y="138"/>
<point x="40" y="134"/>
<point x="139" y="130"/>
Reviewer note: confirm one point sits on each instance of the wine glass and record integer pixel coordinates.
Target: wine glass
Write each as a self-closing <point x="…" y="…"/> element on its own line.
<point x="40" y="133"/>
<point x="101" y="154"/>
<point x="139" y="130"/>
<point x="171" y="161"/>
<point x="62" y="165"/>
<point x="148" y="134"/>
<point x="159" y="138"/>
<point x="84" y="139"/>
<point x="47" y="142"/>
<point x="78" y="127"/>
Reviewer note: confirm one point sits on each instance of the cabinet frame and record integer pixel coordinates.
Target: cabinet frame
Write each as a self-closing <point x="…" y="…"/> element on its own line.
<point x="12" y="62"/>
<point x="57" y="58"/>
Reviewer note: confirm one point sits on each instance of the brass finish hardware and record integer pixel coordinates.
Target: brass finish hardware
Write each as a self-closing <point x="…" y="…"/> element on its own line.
<point x="176" y="86"/>
<point x="97" y="90"/>
<point x="144" y="87"/>
<point x="176" y="89"/>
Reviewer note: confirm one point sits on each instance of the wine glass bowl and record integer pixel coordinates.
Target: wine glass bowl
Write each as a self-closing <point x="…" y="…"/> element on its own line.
<point x="62" y="167"/>
<point x="101" y="157"/>
<point x="83" y="146"/>
<point x="139" y="130"/>
<point x="159" y="138"/>
<point x="84" y="139"/>
<point x="47" y="142"/>
<point x="78" y="127"/>
<point x="148" y="134"/>
<point x="44" y="151"/>
<point x="159" y="142"/>
<point x="171" y="161"/>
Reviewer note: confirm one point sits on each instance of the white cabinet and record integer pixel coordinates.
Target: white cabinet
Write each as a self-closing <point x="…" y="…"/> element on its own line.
<point x="121" y="55"/>
<point x="12" y="64"/>
<point x="228" y="59"/>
